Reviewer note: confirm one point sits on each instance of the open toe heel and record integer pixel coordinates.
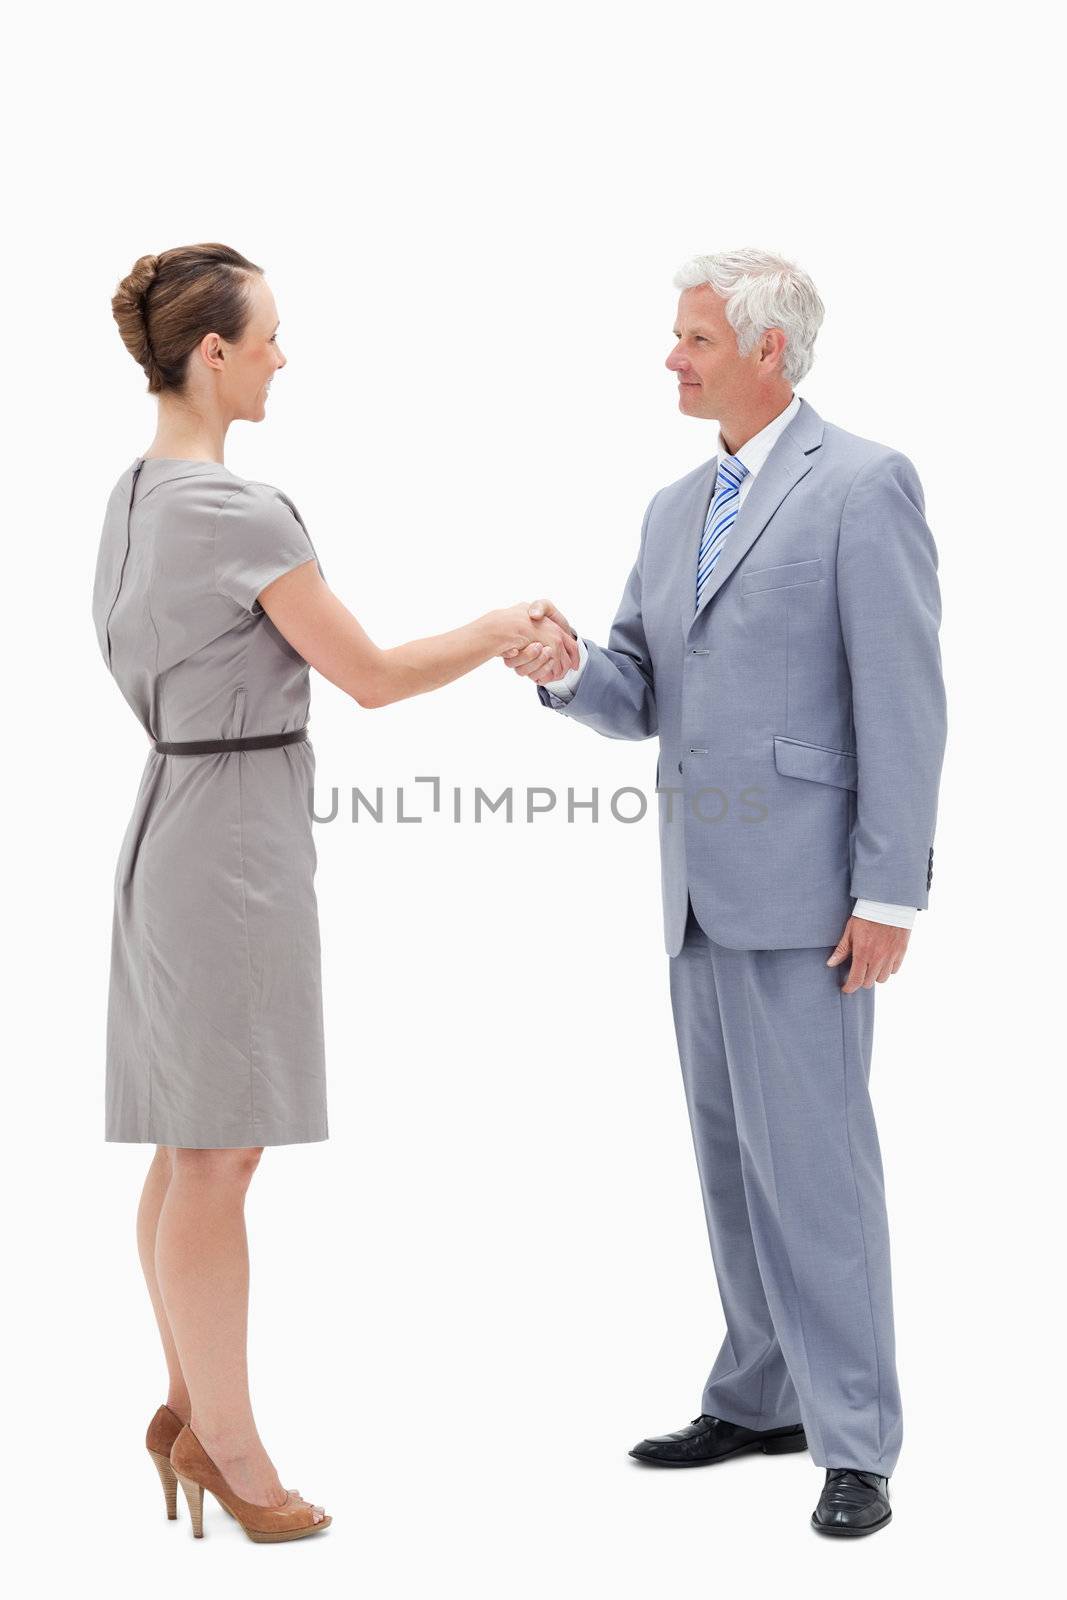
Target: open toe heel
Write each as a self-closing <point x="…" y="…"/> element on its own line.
<point x="264" y="1524"/>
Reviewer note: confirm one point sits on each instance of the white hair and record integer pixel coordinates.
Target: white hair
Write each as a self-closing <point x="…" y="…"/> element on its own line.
<point x="762" y="291"/>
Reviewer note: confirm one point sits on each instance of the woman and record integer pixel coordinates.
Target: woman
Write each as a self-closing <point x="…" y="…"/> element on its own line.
<point x="210" y="605"/>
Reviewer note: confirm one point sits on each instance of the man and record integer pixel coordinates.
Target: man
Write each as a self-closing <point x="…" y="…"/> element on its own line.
<point x="779" y="631"/>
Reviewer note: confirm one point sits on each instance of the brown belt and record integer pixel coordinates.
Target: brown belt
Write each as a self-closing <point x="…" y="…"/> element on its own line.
<point x="207" y="747"/>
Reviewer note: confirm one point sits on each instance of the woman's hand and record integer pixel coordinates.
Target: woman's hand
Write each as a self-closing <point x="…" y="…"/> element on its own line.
<point x="541" y="639"/>
<point x="527" y="663"/>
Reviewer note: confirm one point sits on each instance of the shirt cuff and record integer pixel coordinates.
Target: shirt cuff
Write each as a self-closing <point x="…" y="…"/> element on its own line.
<point x="564" y="688"/>
<point x="879" y="911"/>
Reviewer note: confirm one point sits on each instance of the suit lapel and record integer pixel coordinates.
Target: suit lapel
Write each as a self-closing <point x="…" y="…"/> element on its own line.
<point x="789" y="461"/>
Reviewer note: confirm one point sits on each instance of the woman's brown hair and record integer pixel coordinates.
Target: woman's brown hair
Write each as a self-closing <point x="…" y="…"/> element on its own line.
<point x="167" y="303"/>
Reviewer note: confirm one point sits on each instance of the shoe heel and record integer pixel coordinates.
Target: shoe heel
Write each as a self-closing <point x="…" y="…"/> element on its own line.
<point x="194" y="1494"/>
<point x="169" y="1479"/>
<point x="786" y="1445"/>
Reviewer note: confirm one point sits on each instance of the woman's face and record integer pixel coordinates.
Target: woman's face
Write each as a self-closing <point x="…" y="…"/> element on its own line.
<point x="244" y="370"/>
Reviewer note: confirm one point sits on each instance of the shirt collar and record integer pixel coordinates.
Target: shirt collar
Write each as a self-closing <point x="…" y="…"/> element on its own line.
<point x="754" y="452"/>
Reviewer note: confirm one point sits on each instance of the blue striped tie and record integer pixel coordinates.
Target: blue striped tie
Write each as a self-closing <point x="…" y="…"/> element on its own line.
<point x="722" y="514"/>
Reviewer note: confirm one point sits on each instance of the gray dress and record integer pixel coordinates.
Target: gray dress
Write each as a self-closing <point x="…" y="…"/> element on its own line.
<point x="214" y="1020"/>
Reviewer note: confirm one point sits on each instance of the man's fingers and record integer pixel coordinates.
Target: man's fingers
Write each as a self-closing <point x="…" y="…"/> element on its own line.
<point x="526" y="669"/>
<point x="542" y="668"/>
<point x="522" y="656"/>
<point x="856" y="978"/>
<point x="875" y="950"/>
<point x="529" y="658"/>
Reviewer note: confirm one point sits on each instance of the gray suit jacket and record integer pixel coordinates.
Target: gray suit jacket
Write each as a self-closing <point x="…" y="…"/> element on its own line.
<point x="801" y="709"/>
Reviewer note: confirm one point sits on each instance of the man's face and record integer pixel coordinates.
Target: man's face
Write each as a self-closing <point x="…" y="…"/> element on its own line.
<point x="712" y="378"/>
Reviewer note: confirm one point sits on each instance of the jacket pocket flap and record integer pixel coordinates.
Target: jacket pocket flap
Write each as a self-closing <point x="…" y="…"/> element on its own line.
<point x="781" y="577"/>
<point x="795" y="759"/>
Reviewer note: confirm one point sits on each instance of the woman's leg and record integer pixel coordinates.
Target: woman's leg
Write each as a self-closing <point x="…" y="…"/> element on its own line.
<point x="152" y="1197"/>
<point x="202" y="1267"/>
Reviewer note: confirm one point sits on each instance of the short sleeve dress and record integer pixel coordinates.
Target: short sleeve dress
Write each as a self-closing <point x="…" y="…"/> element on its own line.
<point x="214" y="1018"/>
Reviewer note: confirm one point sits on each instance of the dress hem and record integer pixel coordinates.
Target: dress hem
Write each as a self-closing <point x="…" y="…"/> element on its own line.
<point x="216" y="1144"/>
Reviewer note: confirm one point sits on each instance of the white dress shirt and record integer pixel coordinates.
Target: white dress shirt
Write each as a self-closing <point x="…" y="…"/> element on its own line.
<point x="752" y="454"/>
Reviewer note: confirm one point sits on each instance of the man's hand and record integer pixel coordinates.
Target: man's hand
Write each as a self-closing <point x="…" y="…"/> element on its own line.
<point x="530" y="661"/>
<point x="877" y="951"/>
<point x="538" y="637"/>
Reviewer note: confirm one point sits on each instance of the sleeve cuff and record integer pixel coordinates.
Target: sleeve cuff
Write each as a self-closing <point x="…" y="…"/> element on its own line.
<point x="880" y="911"/>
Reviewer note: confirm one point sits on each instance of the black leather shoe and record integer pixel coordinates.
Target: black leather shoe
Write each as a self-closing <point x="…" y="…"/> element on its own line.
<point x="852" y="1502"/>
<point x="710" y="1439"/>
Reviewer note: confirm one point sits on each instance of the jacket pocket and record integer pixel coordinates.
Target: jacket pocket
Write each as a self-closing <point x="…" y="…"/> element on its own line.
<point x="754" y="579"/>
<point x="795" y="759"/>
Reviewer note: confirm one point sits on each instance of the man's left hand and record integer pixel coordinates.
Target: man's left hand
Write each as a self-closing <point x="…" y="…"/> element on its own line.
<point x="877" y="951"/>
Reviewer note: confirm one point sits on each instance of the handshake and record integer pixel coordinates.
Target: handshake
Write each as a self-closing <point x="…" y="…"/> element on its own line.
<point x="543" y="647"/>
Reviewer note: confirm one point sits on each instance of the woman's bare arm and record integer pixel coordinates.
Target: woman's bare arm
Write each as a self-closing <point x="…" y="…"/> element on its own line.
<point x="320" y="627"/>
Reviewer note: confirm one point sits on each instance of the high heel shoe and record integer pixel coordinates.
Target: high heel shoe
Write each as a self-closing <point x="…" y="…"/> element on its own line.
<point x="163" y="1429"/>
<point x="196" y="1472"/>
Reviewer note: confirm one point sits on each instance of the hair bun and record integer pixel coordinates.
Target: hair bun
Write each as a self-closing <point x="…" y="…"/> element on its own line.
<point x="147" y="267"/>
<point x="129" y="306"/>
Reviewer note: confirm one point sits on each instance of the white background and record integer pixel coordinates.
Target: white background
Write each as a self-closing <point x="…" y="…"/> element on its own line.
<point x="494" y="1277"/>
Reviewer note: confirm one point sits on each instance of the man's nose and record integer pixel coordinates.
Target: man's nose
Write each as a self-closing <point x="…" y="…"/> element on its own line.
<point x="676" y="362"/>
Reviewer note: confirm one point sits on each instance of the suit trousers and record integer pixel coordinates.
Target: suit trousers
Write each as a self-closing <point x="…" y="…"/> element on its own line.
<point x="775" y="1062"/>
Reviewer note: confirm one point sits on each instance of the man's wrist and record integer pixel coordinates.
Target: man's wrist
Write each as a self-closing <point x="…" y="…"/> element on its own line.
<point x="564" y="687"/>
